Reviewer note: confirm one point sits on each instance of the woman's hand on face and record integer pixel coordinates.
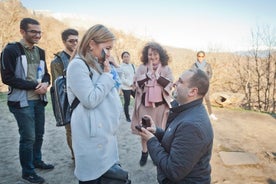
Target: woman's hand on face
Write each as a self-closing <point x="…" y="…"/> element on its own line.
<point x="157" y="71"/>
<point x="107" y="66"/>
<point x="150" y="65"/>
<point x="112" y="61"/>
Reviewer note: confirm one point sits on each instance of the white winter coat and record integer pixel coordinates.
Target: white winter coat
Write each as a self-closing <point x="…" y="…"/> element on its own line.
<point x="95" y="120"/>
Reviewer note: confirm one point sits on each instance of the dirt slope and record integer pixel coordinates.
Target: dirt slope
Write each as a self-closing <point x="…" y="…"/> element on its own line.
<point x="234" y="131"/>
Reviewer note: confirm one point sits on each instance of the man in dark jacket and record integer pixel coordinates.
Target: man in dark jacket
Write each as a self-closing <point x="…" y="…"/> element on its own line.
<point x="24" y="70"/>
<point x="182" y="152"/>
<point x="59" y="65"/>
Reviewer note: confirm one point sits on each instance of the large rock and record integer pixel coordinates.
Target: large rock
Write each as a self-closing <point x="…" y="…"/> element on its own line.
<point x="227" y="99"/>
<point x="238" y="158"/>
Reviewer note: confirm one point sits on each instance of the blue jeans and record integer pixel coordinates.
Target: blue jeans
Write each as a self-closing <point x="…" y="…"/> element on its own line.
<point x="30" y="121"/>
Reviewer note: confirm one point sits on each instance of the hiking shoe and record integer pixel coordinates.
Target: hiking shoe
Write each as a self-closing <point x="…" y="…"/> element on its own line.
<point x="144" y="158"/>
<point x="42" y="165"/>
<point x="33" y="178"/>
<point x="213" y="117"/>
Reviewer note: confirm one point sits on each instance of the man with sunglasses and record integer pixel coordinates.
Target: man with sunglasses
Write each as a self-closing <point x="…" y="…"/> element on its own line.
<point x="21" y="62"/>
<point x="202" y="64"/>
<point x="59" y="65"/>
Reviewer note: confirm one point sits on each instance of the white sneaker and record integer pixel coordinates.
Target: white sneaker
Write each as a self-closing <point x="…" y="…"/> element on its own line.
<point x="213" y="117"/>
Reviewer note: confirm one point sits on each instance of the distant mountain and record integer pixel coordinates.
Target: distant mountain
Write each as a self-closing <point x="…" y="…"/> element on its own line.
<point x="260" y="53"/>
<point x="76" y="20"/>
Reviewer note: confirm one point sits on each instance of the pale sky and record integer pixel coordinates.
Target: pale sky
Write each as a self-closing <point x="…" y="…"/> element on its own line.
<point x="223" y="25"/>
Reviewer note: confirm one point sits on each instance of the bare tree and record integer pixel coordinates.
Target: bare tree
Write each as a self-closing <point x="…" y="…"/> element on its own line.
<point x="263" y="41"/>
<point x="242" y="80"/>
<point x="269" y="40"/>
<point x="274" y="86"/>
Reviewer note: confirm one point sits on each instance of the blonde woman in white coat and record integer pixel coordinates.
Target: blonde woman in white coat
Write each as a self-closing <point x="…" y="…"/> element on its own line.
<point x="95" y="120"/>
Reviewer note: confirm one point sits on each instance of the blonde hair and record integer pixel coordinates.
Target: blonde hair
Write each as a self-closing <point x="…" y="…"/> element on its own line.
<point x="98" y="33"/>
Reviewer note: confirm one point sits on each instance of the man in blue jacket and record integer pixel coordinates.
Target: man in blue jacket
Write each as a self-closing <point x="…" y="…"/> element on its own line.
<point x="182" y="152"/>
<point x="24" y="70"/>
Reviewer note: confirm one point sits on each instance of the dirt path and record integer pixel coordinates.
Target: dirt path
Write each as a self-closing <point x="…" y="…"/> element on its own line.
<point x="234" y="131"/>
<point x="249" y="132"/>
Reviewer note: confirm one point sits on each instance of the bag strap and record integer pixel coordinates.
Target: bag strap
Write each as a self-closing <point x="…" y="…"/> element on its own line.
<point x="74" y="104"/>
<point x="20" y="47"/>
<point x="59" y="55"/>
<point x="133" y="67"/>
<point x="76" y="101"/>
<point x="62" y="57"/>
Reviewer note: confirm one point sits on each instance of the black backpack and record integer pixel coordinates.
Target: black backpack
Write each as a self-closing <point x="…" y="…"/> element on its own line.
<point x="61" y="107"/>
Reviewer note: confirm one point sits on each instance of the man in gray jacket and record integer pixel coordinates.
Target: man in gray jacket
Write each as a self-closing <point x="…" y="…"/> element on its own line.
<point x="182" y="152"/>
<point x="24" y="70"/>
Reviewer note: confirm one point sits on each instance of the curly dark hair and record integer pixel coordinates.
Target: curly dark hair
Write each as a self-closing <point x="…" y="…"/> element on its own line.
<point x="164" y="57"/>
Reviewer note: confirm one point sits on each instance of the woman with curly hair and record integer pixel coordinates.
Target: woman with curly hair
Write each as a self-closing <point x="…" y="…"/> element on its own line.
<point x="153" y="81"/>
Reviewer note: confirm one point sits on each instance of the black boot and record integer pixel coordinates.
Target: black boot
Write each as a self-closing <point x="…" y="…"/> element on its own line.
<point x="144" y="158"/>
<point x="128" y="118"/>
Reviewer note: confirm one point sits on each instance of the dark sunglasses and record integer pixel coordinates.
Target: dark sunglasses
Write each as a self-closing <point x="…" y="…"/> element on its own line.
<point x="73" y="41"/>
<point x="34" y="32"/>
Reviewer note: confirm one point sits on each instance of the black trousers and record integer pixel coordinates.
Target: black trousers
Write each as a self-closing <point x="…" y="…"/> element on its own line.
<point x="127" y="94"/>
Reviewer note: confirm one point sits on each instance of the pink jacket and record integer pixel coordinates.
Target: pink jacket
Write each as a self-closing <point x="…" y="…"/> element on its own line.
<point x="140" y="81"/>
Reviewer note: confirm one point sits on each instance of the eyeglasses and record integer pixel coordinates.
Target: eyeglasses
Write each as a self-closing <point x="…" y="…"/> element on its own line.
<point x="200" y="56"/>
<point x="34" y="32"/>
<point x="72" y="41"/>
